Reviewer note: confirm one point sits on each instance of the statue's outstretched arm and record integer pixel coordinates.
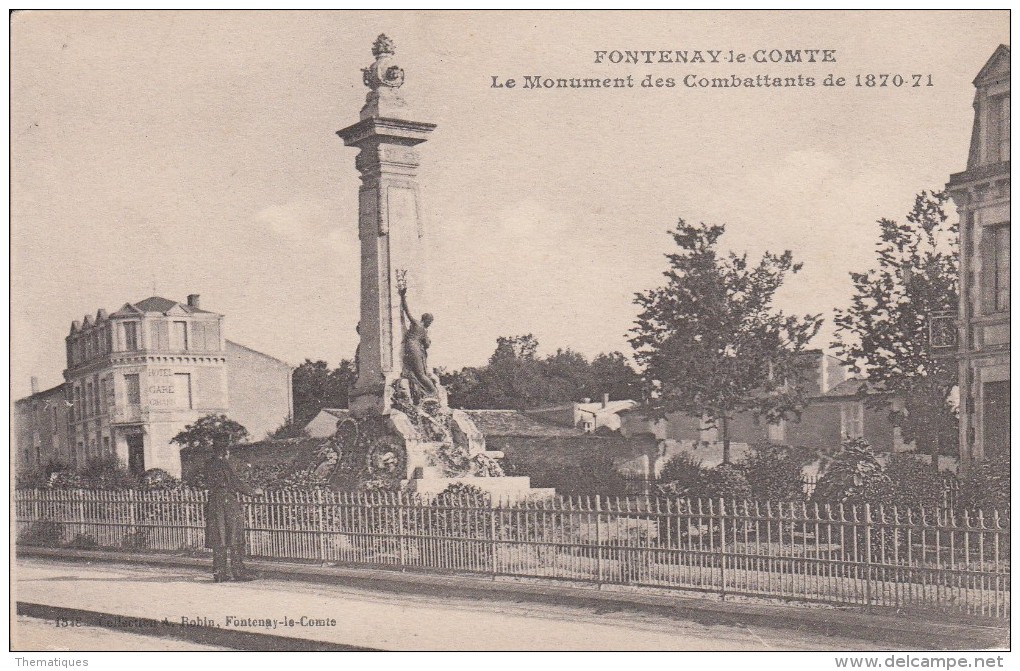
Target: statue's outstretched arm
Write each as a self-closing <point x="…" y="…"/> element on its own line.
<point x="407" y="311"/>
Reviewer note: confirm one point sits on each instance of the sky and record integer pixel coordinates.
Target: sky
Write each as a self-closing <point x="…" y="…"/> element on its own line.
<point x="171" y="153"/>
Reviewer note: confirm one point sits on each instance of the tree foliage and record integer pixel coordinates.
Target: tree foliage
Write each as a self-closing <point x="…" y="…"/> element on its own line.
<point x="516" y="377"/>
<point x="317" y="386"/>
<point x="884" y="333"/>
<point x="207" y="430"/>
<point x="711" y="338"/>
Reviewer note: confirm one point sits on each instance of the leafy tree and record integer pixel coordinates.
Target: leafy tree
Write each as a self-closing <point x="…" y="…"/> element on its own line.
<point x="206" y="430"/>
<point x="711" y="339"/>
<point x="612" y="374"/>
<point x="884" y="334"/>
<point x="517" y="378"/>
<point x="317" y="386"/>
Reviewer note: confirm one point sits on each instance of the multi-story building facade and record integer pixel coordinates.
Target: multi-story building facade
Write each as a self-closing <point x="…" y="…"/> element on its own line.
<point x="981" y="194"/>
<point x="41" y="423"/>
<point x="138" y="376"/>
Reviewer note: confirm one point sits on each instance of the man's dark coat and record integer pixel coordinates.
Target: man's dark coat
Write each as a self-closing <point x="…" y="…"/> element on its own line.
<point x="224" y="514"/>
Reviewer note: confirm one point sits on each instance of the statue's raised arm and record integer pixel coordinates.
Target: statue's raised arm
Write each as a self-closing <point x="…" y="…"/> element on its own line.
<point x="403" y="305"/>
<point x="416" y="348"/>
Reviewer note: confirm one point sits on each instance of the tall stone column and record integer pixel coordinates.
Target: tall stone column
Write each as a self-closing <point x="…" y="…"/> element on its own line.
<point x="390" y="228"/>
<point x="401" y="436"/>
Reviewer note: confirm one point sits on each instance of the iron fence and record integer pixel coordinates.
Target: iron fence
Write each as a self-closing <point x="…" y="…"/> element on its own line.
<point x="908" y="560"/>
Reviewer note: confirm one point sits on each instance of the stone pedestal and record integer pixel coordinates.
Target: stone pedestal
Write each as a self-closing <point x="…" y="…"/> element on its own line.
<point x="500" y="490"/>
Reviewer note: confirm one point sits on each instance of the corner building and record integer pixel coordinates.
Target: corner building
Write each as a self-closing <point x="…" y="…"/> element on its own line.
<point x="136" y="377"/>
<point x="981" y="194"/>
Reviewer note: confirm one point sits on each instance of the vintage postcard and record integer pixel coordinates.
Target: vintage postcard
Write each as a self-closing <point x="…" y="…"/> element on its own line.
<point x="511" y="331"/>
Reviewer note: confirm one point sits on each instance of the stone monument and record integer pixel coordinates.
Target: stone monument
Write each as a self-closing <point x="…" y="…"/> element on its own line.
<point x="402" y="432"/>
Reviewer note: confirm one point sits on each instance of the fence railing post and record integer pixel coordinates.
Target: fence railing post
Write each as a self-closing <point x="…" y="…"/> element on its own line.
<point x="321" y="512"/>
<point x="722" y="548"/>
<point x="598" y="541"/>
<point x="400" y="530"/>
<point x="493" y="505"/>
<point x="867" y="555"/>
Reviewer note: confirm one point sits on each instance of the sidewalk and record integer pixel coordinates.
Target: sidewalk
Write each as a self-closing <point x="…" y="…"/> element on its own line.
<point x="393" y="611"/>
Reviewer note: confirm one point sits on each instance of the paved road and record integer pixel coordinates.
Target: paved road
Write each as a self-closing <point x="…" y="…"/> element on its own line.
<point x="341" y="614"/>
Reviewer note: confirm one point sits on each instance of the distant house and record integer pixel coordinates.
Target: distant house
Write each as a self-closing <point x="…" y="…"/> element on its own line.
<point x="835" y="411"/>
<point x="42" y="428"/>
<point x="585" y="415"/>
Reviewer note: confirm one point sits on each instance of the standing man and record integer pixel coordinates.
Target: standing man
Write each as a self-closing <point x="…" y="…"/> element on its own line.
<point x="224" y="516"/>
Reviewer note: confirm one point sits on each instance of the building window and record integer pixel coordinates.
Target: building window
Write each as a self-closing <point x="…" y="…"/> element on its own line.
<point x="88" y="398"/>
<point x="182" y="390"/>
<point x="179" y="336"/>
<point x="134" y="390"/>
<point x="1000" y="255"/>
<point x="851" y="420"/>
<point x="777" y="432"/>
<point x="102" y="394"/>
<point x="998" y="129"/>
<point x="131" y="336"/>
<point x="106" y="444"/>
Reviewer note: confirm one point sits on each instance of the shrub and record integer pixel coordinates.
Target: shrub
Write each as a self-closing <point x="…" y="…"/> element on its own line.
<point x="107" y="472"/>
<point x="134" y="540"/>
<point x="725" y="481"/>
<point x="986" y="485"/>
<point x="43" y="532"/>
<point x="683" y="475"/>
<point x="158" y="479"/>
<point x="914" y="483"/>
<point x="773" y="473"/>
<point x="83" y="542"/>
<point x="461" y="490"/>
<point x="854" y="477"/>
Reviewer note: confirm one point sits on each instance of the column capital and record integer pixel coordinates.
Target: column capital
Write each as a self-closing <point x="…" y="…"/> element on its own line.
<point x="380" y="130"/>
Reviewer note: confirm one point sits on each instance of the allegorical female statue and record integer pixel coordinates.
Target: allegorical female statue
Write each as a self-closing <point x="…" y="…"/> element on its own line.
<point x="416" y="350"/>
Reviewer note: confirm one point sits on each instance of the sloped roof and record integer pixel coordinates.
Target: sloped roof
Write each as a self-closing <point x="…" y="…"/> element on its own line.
<point x="516" y="423"/>
<point x="157" y="304"/>
<point x="339" y="413"/>
<point x="993" y="67"/>
<point x="854" y="387"/>
<point x="611" y="407"/>
<point x="232" y="344"/>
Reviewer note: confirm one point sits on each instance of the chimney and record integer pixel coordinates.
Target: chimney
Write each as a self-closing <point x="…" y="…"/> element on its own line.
<point x="35" y="384"/>
<point x="605" y="400"/>
<point x="193" y="301"/>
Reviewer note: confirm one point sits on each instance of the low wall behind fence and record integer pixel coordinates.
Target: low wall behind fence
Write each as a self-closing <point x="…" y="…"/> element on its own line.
<point x="952" y="562"/>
